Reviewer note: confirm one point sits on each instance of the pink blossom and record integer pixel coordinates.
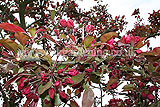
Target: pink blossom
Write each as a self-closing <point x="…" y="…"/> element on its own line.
<point x="144" y="94"/>
<point x="56" y="32"/>
<point x="128" y="39"/>
<point x="57" y="83"/>
<point x="89" y="28"/>
<point x="70" y="23"/>
<point x="113" y="86"/>
<point x="30" y="95"/>
<point x="46" y="101"/>
<point x="73" y="72"/>
<point x="69" y="81"/>
<point x="110" y="42"/>
<point x="138" y="51"/>
<point x="150" y="96"/>
<point x="62" y="94"/>
<point x="51" y="92"/>
<point x="152" y="88"/>
<point x="93" y="42"/>
<point x="137" y="38"/>
<point x="63" y="22"/>
<point x="26" y="91"/>
<point x="60" y="71"/>
<point x="35" y="97"/>
<point x="43" y="77"/>
<point x="93" y="53"/>
<point x="89" y="70"/>
<point x="140" y="84"/>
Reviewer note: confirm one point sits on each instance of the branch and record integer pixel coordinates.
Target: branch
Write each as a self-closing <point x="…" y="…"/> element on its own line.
<point x="4" y="96"/>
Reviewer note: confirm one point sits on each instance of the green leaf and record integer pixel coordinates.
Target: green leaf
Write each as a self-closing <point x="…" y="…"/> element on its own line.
<point x="10" y="44"/>
<point x="95" y="78"/>
<point x="62" y="66"/>
<point x="81" y="25"/>
<point x="32" y="31"/>
<point x="48" y="58"/>
<point x="45" y="87"/>
<point x="57" y="100"/>
<point x="128" y="87"/>
<point x="3" y="61"/>
<point x="86" y="86"/>
<point x="53" y="13"/>
<point x="78" y="78"/>
<point x="63" y="36"/>
<point x="88" y="41"/>
<point x="21" y="70"/>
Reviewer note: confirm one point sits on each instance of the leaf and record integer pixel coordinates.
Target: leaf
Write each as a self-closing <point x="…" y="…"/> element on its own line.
<point x="57" y="100"/>
<point x="88" y="98"/>
<point x="72" y="37"/>
<point x="11" y="27"/>
<point x="48" y="58"/>
<point x="10" y="44"/>
<point x="21" y="38"/>
<point x="77" y="92"/>
<point x="95" y="78"/>
<point x="88" y="41"/>
<point x="128" y="87"/>
<point x="63" y="36"/>
<point x="156" y="50"/>
<point x="50" y="38"/>
<point x="73" y="103"/>
<point x="2" y="61"/>
<point x="12" y="80"/>
<point x="78" y="78"/>
<point x="140" y="43"/>
<point x="45" y="87"/>
<point x="32" y="31"/>
<point x="69" y="91"/>
<point x="86" y="86"/>
<point x="106" y="37"/>
<point x="53" y="13"/>
<point x="111" y="81"/>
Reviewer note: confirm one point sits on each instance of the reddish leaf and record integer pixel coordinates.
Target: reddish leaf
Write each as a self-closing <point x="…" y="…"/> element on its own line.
<point x="50" y="38"/>
<point x="27" y="102"/>
<point x="12" y="80"/>
<point x="156" y="50"/>
<point x="73" y="103"/>
<point x="111" y="81"/>
<point x="88" y="98"/>
<point x="21" y="38"/>
<point x="10" y="44"/>
<point x="51" y="92"/>
<point x="106" y="37"/>
<point x="11" y="27"/>
<point x="72" y="37"/>
<point x="77" y="92"/>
